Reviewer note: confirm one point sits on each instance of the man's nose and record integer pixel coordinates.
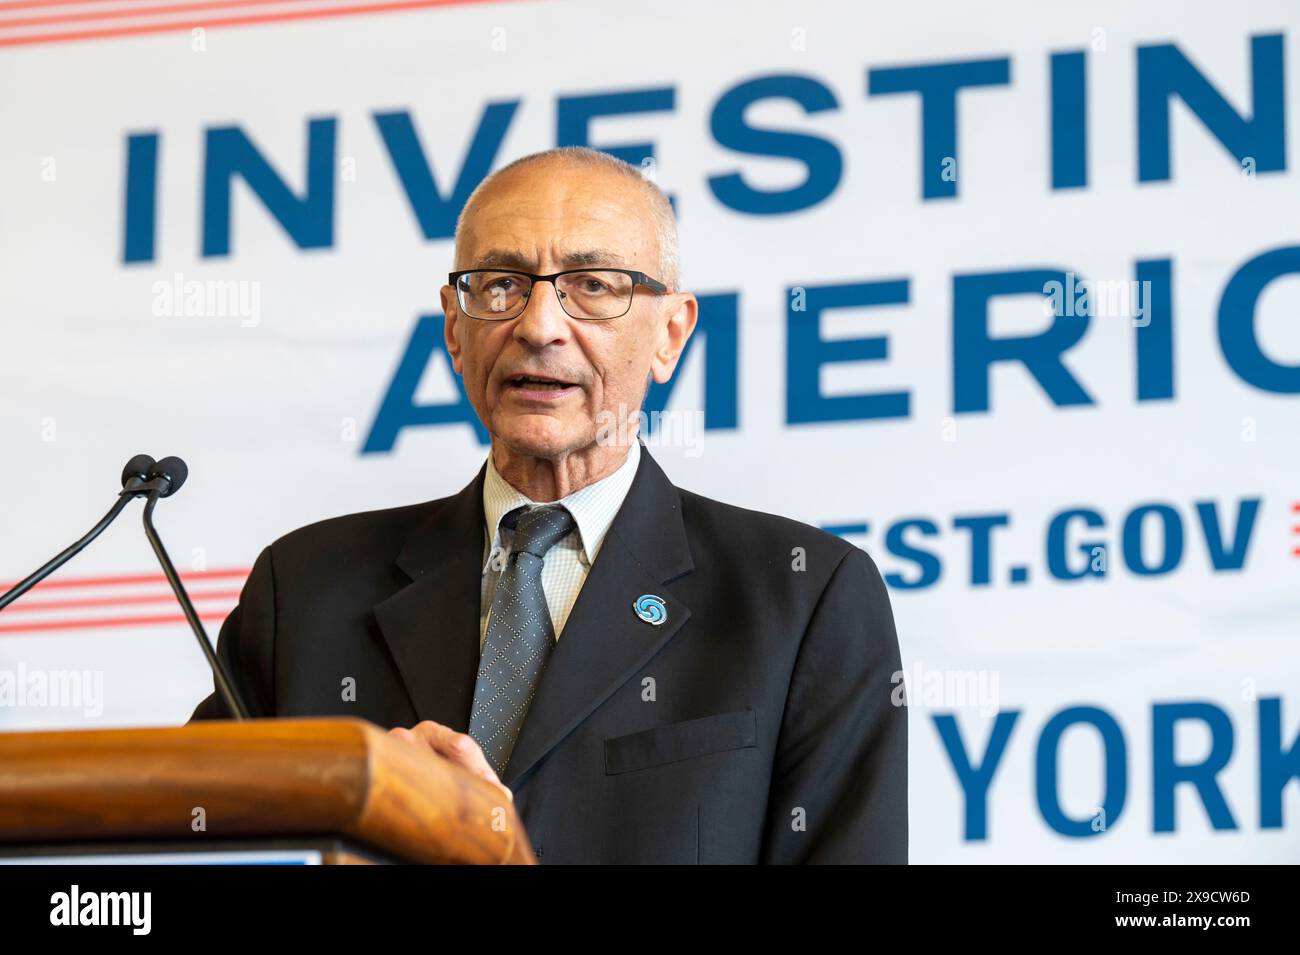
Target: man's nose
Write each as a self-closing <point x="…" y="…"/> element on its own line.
<point x="543" y="321"/>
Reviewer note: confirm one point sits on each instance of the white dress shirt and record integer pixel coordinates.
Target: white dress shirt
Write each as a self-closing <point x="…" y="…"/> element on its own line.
<point x="565" y="567"/>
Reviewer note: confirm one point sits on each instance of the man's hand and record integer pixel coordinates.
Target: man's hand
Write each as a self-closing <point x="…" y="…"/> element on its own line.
<point x="460" y="748"/>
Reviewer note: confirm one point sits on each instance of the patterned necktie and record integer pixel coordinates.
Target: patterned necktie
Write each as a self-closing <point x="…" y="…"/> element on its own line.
<point x="519" y="635"/>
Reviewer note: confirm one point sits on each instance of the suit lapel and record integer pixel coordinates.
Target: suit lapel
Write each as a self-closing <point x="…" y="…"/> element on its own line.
<point x="604" y="643"/>
<point x="431" y="625"/>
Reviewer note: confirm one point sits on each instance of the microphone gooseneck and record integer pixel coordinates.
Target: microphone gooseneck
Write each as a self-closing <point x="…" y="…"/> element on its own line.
<point x="134" y="477"/>
<point x="174" y="474"/>
<point x="144" y="477"/>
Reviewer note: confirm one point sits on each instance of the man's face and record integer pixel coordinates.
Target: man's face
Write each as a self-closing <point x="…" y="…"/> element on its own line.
<point x="544" y="218"/>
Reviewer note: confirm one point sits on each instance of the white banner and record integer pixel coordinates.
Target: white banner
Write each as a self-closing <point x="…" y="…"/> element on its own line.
<point x="1006" y="295"/>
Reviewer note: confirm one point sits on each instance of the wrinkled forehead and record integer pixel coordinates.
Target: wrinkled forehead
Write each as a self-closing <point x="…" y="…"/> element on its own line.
<point x="551" y="217"/>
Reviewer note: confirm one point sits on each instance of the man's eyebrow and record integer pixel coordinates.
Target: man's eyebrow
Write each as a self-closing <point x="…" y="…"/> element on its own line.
<point x="503" y="258"/>
<point x="592" y="257"/>
<point x="513" y="259"/>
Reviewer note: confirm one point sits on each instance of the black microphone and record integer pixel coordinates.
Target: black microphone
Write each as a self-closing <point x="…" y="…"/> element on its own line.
<point x="165" y="478"/>
<point x="145" y="477"/>
<point x="135" y="476"/>
<point x="137" y="468"/>
<point x="173" y="471"/>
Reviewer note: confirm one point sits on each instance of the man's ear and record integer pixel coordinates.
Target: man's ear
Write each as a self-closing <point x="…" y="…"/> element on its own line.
<point x="679" y="313"/>
<point x="451" y="310"/>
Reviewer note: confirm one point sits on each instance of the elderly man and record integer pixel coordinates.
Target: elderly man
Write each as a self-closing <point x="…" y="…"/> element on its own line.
<point x="653" y="676"/>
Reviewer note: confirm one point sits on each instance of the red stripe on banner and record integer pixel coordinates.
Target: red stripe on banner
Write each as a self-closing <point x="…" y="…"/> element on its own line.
<point x="37" y="616"/>
<point x="177" y="26"/>
<point x="105" y="622"/>
<point x="39" y="4"/>
<point x="116" y="579"/>
<point x="137" y="12"/>
<point x="85" y="602"/>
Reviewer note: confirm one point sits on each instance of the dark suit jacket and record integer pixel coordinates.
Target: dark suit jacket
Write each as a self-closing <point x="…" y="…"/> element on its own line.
<point x="754" y="725"/>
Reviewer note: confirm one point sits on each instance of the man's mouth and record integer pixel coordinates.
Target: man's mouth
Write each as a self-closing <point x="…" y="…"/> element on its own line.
<point x="534" y="385"/>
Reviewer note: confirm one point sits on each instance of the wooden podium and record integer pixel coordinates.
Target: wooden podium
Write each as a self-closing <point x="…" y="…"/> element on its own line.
<point x="325" y="790"/>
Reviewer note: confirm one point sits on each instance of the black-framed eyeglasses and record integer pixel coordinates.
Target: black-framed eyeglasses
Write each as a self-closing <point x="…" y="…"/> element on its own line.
<point x="590" y="294"/>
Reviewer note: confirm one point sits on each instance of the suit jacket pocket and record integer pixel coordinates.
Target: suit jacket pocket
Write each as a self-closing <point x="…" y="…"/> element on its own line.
<point x="678" y="741"/>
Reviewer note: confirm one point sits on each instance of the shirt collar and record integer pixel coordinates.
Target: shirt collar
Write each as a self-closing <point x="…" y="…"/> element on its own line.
<point x="593" y="507"/>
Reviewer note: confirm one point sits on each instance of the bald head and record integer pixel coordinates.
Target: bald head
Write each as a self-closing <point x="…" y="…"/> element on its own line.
<point x="647" y="209"/>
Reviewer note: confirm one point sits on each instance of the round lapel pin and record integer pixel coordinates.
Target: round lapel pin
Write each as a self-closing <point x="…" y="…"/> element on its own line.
<point x="651" y="609"/>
